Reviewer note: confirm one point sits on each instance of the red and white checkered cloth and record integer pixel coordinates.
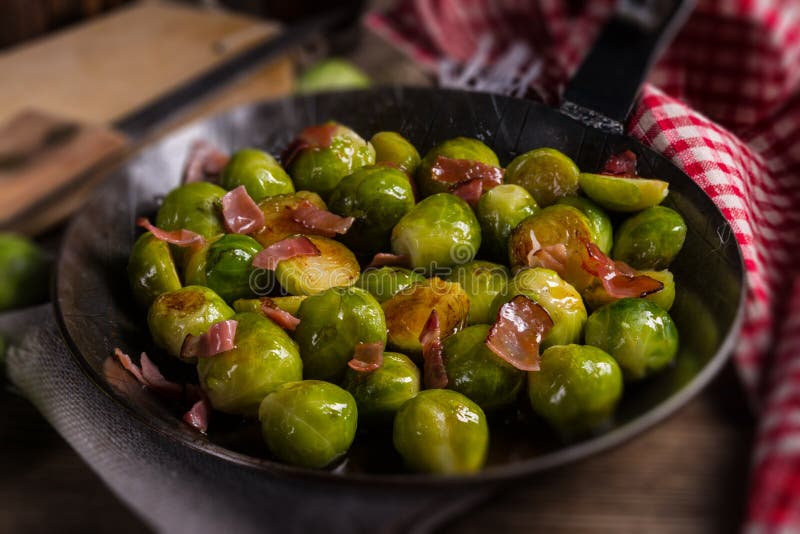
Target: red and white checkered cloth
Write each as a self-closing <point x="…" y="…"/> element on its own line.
<point x="724" y="105"/>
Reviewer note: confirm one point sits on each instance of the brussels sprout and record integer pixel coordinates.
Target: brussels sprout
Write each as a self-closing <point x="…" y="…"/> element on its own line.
<point x="596" y="296"/>
<point x="650" y="239"/>
<point x="482" y="282"/>
<point x="151" y="270"/>
<point x="265" y="357"/>
<point x="546" y="173"/>
<point x="319" y="169"/>
<point x="331" y="325"/>
<point x="308" y="275"/>
<point x="192" y="206"/>
<point x="309" y="423"/>
<point x="559" y="299"/>
<point x="623" y="194"/>
<point x="637" y="333"/>
<point x="189" y="310"/>
<point x="289" y="304"/>
<point x="602" y="233"/>
<point x="576" y="388"/>
<point x="407" y="312"/>
<point x="499" y="210"/>
<point x="380" y="393"/>
<point x="277" y="225"/>
<point x="438" y="233"/>
<point x="441" y="431"/>
<point x="224" y="265"/>
<point x="478" y="373"/>
<point x="377" y="197"/>
<point x="385" y="282"/>
<point x="394" y="149"/>
<point x="458" y="148"/>
<point x="24" y="272"/>
<point x="330" y="74"/>
<point x="258" y="172"/>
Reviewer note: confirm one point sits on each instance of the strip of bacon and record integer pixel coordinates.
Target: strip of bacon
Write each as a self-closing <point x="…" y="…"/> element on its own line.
<point x="368" y="357"/>
<point x="284" y="319"/>
<point x="618" y="279"/>
<point x="198" y="415"/>
<point x="320" y="221"/>
<point x="241" y="213"/>
<point x="205" y="162"/>
<point x="457" y="171"/>
<point x="434" y="373"/>
<point x="148" y="375"/>
<point x="285" y="249"/>
<point x="383" y="259"/>
<point x="220" y="337"/>
<point x="469" y="191"/>
<point x="622" y="165"/>
<point x="518" y="332"/>
<point x="181" y="238"/>
<point x="319" y="136"/>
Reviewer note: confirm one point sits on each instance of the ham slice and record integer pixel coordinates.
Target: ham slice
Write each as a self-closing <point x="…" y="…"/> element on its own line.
<point x="320" y="221"/>
<point x="285" y="249"/>
<point x="384" y="259"/>
<point x="241" y="213"/>
<point x="198" y="415"/>
<point x="148" y="374"/>
<point x="618" y="279"/>
<point x="368" y="357"/>
<point x="456" y="171"/>
<point x="622" y="165"/>
<point x="205" y="162"/>
<point x="469" y="191"/>
<point x="284" y="319"/>
<point x="434" y="372"/>
<point x="220" y="338"/>
<point x="180" y="238"/>
<point x="319" y="136"/>
<point x="552" y="257"/>
<point x="518" y="332"/>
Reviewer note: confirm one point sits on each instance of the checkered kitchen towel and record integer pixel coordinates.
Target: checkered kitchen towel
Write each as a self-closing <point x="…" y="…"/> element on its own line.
<point x="724" y="105"/>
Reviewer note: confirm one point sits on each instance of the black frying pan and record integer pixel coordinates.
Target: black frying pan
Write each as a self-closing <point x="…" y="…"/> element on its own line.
<point x="97" y="313"/>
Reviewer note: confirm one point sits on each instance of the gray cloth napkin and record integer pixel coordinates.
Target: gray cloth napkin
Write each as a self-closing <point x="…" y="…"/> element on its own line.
<point x="175" y="489"/>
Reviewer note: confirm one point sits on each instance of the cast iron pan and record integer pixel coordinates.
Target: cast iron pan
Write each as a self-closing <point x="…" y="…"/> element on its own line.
<point x="97" y="313"/>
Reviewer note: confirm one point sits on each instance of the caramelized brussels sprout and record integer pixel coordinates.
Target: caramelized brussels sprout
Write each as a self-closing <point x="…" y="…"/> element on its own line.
<point x="224" y="265"/>
<point x="258" y="172"/>
<point x="151" y="270"/>
<point x="192" y="206"/>
<point x="482" y="281"/>
<point x="602" y="233"/>
<point x="265" y="357"/>
<point x="289" y="304"/>
<point x="458" y="148"/>
<point x="596" y="296"/>
<point x="385" y="282"/>
<point x="650" y="239"/>
<point x="308" y="275"/>
<point x="380" y="393"/>
<point x="393" y="149"/>
<point x="309" y="423"/>
<point x="24" y="272"/>
<point x="277" y="225"/>
<point x="619" y="193"/>
<point x="441" y="431"/>
<point x="499" y="210"/>
<point x="546" y="173"/>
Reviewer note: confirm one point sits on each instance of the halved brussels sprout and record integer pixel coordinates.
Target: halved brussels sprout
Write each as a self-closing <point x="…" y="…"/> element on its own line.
<point x="576" y="388"/>
<point x="482" y="281"/>
<point x="441" y="431"/>
<point x="224" y="265"/>
<point x="331" y="325"/>
<point x="621" y="193"/>
<point x="546" y="173"/>
<point x="394" y="149"/>
<point x="599" y="223"/>
<point x="336" y="266"/>
<point x="380" y="393"/>
<point x="385" y="282"/>
<point x="650" y="239"/>
<point x="499" y="210"/>
<point x="24" y="272"/>
<point x="258" y="172"/>
<point x="289" y="304"/>
<point x="151" y="270"/>
<point x="265" y="357"/>
<point x="478" y="373"/>
<point x="596" y="296"/>
<point x="458" y="148"/>
<point x="189" y="310"/>
<point x="277" y="225"/>
<point x="438" y="233"/>
<point x="637" y="333"/>
<point x="309" y="423"/>
<point x="407" y="312"/>
<point x="192" y="206"/>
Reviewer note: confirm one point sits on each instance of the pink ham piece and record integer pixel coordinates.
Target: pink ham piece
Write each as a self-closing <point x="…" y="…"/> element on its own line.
<point x="518" y="332"/>
<point x="618" y="279"/>
<point x="434" y="373"/>
<point x="319" y="136"/>
<point x="384" y="259"/>
<point x="622" y="165"/>
<point x="457" y="171"/>
<point x="285" y="249"/>
<point x="205" y="162"/>
<point x="552" y="257"/>
<point x="241" y="213"/>
<point x="221" y="337"/>
<point x="321" y="222"/>
<point x="197" y="416"/>
<point x="284" y="319"/>
<point x="148" y="374"/>
<point x="368" y="357"/>
<point x="180" y="238"/>
<point x="469" y="191"/>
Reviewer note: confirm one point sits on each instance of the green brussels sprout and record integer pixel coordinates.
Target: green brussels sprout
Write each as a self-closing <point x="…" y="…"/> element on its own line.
<point x="499" y="210"/>
<point x="394" y="149"/>
<point x="576" y="387"/>
<point x="619" y="193"/>
<point x="189" y="310"/>
<point x="458" y="148"/>
<point x="277" y="225"/>
<point x="331" y="325"/>
<point x="380" y="393"/>
<point x="290" y="304"/>
<point x="546" y="173"/>
<point x="192" y="206"/>
<point x="385" y="282"/>
<point x="24" y="272"/>
<point x="478" y="373"/>
<point x="224" y="265"/>
<point x="265" y="357"/>
<point x="319" y="169"/>
<point x="407" y="312"/>
<point x="438" y="233"/>
<point x="637" y="333"/>
<point x="151" y="269"/>
<point x="377" y="197"/>
<point x="482" y="281"/>
<point x="331" y="74"/>
<point x="596" y="296"/>
<point x="258" y="172"/>
<point x="599" y="223"/>
<point x="650" y="239"/>
<point x="558" y="298"/>
<point x="441" y="431"/>
<point x="309" y="423"/>
<point x="308" y="275"/>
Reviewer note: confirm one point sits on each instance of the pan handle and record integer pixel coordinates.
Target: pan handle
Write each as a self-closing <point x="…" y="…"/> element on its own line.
<point x="605" y="86"/>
